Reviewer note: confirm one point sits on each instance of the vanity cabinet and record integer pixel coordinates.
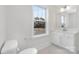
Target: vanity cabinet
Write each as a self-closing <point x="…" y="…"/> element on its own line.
<point x="66" y="39"/>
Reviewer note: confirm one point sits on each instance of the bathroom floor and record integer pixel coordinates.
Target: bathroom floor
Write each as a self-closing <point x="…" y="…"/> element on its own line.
<point x="54" y="50"/>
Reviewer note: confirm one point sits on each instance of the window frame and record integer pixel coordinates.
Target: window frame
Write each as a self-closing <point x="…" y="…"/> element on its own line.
<point x="46" y="21"/>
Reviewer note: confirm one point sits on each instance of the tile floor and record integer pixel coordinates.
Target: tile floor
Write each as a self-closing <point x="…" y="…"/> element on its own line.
<point x="54" y="50"/>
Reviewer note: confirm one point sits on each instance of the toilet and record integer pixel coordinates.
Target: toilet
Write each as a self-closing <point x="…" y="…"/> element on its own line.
<point x="11" y="47"/>
<point x="29" y="51"/>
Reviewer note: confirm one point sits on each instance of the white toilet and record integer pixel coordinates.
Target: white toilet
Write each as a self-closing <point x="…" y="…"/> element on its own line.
<point x="11" y="47"/>
<point x="29" y="51"/>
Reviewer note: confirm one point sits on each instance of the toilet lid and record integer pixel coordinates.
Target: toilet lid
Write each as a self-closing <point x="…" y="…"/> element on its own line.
<point x="29" y="51"/>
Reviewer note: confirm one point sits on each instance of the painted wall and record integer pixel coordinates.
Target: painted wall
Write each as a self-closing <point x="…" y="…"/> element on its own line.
<point x="77" y="18"/>
<point x="72" y="20"/>
<point x="19" y="22"/>
<point x="3" y="24"/>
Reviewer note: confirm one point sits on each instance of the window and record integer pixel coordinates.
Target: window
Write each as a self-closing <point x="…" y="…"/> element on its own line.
<point x="39" y="20"/>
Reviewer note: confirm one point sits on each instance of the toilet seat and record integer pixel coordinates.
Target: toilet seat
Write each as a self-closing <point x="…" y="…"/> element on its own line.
<point x="29" y="51"/>
<point x="11" y="47"/>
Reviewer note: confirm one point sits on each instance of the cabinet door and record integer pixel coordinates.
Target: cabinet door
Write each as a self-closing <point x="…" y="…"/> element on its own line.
<point x="55" y="39"/>
<point x="62" y="40"/>
<point x="69" y="41"/>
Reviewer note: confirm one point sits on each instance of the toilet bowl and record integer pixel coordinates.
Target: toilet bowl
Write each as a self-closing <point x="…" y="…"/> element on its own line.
<point x="29" y="51"/>
<point x="11" y="47"/>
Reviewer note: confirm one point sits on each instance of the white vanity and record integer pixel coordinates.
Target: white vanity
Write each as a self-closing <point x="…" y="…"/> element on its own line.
<point x="67" y="39"/>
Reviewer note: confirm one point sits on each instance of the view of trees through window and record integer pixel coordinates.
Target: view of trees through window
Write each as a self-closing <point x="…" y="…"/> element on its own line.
<point x="39" y="14"/>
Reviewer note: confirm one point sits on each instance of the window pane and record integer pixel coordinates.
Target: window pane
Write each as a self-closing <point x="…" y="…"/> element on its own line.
<point x="35" y="11"/>
<point x="44" y="13"/>
<point x="40" y="12"/>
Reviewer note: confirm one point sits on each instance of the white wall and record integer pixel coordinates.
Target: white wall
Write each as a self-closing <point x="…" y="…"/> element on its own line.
<point x="77" y="18"/>
<point x="19" y="21"/>
<point x="3" y="29"/>
<point x="72" y="20"/>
